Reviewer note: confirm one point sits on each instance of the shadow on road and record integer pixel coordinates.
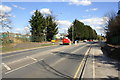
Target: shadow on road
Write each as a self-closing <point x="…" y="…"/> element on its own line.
<point x="69" y="55"/>
<point x="53" y="71"/>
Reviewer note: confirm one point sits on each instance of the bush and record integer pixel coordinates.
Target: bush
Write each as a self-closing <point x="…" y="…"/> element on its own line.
<point x="111" y="52"/>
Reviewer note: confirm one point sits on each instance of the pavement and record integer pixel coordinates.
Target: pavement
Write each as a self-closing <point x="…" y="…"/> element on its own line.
<point x="100" y="67"/>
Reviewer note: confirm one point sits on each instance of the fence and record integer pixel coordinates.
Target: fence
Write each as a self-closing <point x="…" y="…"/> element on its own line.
<point x="7" y="37"/>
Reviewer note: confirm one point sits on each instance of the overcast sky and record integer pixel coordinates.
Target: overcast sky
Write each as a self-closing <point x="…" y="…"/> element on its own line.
<point x="90" y="13"/>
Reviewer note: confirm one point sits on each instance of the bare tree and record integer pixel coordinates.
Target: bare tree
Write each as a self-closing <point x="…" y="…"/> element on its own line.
<point x="5" y="20"/>
<point x="112" y="25"/>
<point x="27" y="29"/>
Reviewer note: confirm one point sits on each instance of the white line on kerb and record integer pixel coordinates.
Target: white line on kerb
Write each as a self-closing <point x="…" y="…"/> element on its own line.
<point x="6" y="66"/>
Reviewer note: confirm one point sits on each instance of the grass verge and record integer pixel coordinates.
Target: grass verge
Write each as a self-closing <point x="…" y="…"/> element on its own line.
<point x="9" y="49"/>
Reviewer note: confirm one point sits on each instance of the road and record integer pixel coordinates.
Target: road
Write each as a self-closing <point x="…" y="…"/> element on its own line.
<point x="50" y="62"/>
<point x="67" y="62"/>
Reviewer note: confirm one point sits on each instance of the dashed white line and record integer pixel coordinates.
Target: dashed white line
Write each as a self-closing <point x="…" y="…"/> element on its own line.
<point x="6" y="66"/>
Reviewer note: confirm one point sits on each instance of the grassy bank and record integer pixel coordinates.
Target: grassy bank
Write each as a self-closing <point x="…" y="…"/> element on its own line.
<point x="21" y="46"/>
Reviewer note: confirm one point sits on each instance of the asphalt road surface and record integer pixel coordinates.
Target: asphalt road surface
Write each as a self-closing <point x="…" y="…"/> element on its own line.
<point x="63" y="61"/>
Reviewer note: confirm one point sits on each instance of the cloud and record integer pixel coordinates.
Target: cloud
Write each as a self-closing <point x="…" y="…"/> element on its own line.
<point x="78" y="2"/>
<point x="63" y="25"/>
<point x="18" y="7"/>
<point x="96" y="23"/>
<point x="4" y="8"/>
<point x="44" y="11"/>
<point x="10" y="15"/>
<point x="92" y="9"/>
<point x="19" y="30"/>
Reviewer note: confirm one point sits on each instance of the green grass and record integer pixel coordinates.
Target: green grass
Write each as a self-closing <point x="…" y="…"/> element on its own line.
<point x="8" y="49"/>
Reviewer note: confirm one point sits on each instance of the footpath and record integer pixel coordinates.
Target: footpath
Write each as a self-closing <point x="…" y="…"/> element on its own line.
<point x="100" y="67"/>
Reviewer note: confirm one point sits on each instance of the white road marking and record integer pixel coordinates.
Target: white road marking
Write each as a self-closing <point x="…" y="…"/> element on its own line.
<point x="93" y="65"/>
<point x="31" y="58"/>
<point x="21" y="67"/>
<point x="6" y="66"/>
<point x="60" y="60"/>
<point x="17" y="60"/>
<point x="78" y="49"/>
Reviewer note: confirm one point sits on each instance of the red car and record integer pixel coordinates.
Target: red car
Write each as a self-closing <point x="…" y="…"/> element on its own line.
<point x="66" y="41"/>
<point x="90" y="40"/>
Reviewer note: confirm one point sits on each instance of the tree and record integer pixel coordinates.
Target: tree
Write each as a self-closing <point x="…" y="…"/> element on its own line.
<point x="42" y="28"/>
<point x="75" y="31"/>
<point x="80" y="31"/>
<point x="5" y="20"/>
<point x="52" y="28"/>
<point x="37" y="26"/>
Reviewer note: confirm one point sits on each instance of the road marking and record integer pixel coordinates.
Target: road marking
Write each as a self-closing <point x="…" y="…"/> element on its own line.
<point x="60" y="60"/>
<point x="31" y="58"/>
<point x="6" y="66"/>
<point x="78" y="49"/>
<point x="17" y="60"/>
<point x="80" y="65"/>
<point x="21" y="67"/>
<point x="93" y="65"/>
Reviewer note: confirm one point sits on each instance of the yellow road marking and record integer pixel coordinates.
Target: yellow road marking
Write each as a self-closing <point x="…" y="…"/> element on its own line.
<point x="79" y="67"/>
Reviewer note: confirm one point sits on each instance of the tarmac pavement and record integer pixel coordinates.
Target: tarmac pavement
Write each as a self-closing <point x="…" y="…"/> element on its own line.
<point x="100" y="67"/>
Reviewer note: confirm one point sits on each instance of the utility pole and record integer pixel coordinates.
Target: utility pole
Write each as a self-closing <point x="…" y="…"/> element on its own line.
<point x="72" y="33"/>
